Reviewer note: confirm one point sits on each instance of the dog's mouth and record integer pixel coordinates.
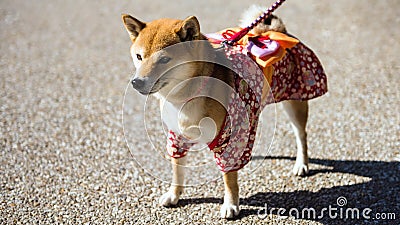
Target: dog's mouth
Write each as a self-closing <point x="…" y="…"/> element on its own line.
<point x="154" y="89"/>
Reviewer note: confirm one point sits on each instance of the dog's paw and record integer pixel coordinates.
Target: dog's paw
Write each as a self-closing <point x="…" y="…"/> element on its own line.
<point x="300" y="169"/>
<point x="229" y="211"/>
<point x="169" y="199"/>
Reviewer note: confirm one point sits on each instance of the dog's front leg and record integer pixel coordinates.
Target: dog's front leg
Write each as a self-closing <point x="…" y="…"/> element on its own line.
<point x="171" y="198"/>
<point x="230" y="208"/>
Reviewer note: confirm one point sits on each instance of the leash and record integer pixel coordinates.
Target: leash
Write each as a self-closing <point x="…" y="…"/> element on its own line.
<point x="240" y="34"/>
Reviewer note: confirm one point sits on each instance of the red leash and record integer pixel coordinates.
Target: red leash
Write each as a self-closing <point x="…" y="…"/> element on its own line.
<point x="240" y="34"/>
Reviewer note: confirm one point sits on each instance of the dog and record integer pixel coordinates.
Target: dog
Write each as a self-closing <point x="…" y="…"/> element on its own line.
<point x="160" y="72"/>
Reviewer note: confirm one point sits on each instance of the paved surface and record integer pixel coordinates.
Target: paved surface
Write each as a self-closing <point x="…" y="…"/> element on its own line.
<point x="64" y="68"/>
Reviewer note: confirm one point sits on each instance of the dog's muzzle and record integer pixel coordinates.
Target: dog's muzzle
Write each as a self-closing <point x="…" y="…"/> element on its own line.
<point x="138" y="84"/>
<point x="141" y="86"/>
<point x="145" y="86"/>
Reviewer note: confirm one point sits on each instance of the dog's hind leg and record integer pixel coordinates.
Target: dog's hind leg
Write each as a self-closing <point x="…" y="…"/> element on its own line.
<point x="171" y="198"/>
<point x="230" y="207"/>
<point x="298" y="114"/>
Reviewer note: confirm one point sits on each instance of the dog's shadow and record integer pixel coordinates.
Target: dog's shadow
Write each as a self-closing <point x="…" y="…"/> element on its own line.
<point x="380" y="194"/>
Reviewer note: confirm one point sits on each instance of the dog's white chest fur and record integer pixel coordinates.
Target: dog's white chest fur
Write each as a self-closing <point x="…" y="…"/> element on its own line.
<point x="201" y="133"/>
<point x="169" y="115"/>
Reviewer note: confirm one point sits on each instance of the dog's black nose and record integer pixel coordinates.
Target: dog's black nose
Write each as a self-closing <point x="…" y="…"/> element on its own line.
<point x="137" y="83"/>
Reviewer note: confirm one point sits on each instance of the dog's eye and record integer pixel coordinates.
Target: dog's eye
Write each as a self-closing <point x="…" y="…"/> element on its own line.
<point x="164" y="60"/>
<point x="139" y="57"/>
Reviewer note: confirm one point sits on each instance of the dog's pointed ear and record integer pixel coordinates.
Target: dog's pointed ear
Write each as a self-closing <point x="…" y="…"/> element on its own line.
<point x="189" y="29"/>
<point x="133" y="26"/>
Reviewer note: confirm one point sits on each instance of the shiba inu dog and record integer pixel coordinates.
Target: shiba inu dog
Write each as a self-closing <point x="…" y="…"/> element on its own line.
<point x="161" y="72"/>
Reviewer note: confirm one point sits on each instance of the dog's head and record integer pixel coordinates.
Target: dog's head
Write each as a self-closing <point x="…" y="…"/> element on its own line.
<point x="155" y="64"/>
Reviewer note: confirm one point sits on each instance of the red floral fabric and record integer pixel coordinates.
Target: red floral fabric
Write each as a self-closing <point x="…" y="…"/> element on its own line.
<point x="298" y="76"/>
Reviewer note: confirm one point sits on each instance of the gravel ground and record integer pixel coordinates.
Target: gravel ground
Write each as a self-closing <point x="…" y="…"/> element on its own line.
<point x="65" y="66"/>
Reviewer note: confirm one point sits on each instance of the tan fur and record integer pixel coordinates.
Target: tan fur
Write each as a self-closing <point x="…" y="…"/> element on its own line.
<point x="176" y="189"/>
<point x="253" y="12"/>
<point x="230" y="208"/>
<point x="148" y="43"/>
<point x="158" y="35"/>
<point x="298" y="114"/>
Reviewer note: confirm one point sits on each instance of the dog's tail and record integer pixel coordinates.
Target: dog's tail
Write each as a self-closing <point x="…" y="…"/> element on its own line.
<point x="272" y="23"/>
